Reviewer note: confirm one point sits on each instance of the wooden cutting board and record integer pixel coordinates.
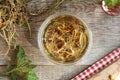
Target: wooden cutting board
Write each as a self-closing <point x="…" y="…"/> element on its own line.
<point x="110" y="70"/>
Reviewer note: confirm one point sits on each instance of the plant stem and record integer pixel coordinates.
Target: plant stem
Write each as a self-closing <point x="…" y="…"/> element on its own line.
<point x="55" y="6"/>
<point x="7" y="73"/>
<point x="28" y="25"/>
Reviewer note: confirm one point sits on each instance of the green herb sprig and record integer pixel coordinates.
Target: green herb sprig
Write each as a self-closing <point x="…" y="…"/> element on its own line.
<point x="23" y="69"/>
<point x="112" y="2"/>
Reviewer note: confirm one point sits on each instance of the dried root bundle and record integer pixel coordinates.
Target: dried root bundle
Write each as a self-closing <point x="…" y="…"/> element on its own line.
<point x="12" y="15"/>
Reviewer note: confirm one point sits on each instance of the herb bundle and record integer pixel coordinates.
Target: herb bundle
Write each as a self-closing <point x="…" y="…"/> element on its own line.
<point x="23" y="69"/>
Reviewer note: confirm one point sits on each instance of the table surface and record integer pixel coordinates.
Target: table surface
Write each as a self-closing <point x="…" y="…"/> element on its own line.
<point x="105" y="30"/>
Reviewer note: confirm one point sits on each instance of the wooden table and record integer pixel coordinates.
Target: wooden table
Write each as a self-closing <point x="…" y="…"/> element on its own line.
<point x="105" y="29"/>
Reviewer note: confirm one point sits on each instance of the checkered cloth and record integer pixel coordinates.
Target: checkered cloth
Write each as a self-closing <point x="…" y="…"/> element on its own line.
<point x="99" y="65"/>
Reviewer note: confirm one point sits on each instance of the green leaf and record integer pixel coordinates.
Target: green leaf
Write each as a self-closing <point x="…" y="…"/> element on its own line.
<point x="119" y="1"/>
<point x="21" y="57"/>
<point x="27" y="68"/>
<point x="24" y="67"/>
<point x="21" y="53"/>
<point x="14" y="76"/>
<point x="31" y="75"/>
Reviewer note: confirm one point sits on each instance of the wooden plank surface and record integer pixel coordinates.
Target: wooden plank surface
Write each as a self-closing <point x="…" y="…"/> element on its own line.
<point x="105" y="29"/>
<point x="53" y="72"/>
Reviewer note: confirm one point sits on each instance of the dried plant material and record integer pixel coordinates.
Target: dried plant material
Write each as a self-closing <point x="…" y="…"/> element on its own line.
<point x="50" y="9"/>
<point x="65" y="39"/>
<point x="12" y="15"/>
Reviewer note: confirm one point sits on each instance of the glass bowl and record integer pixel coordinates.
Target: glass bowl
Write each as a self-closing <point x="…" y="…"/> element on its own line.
<point x="42" y="30"/>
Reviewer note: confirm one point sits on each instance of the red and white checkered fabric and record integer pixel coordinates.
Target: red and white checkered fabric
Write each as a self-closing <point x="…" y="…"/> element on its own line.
<point x="99" y="65"/>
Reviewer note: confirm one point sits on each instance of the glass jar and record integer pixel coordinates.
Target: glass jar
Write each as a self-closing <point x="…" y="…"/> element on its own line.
<point x="42" y="31"/>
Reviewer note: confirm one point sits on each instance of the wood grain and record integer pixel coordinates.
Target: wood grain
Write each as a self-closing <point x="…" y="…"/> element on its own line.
<point x="2" y="69"/>
<point x="105" y="30"/>
<point x="58" y="72"/>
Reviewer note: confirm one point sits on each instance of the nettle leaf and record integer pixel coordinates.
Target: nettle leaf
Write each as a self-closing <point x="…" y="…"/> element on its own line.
<point x="26" y="68"/>
<point x="14" y="76"/>
<point x="23" y="62"/>
<point x="21" y="53"/>
<point x="21" y="57"/>
<point x="31" y="75"/>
